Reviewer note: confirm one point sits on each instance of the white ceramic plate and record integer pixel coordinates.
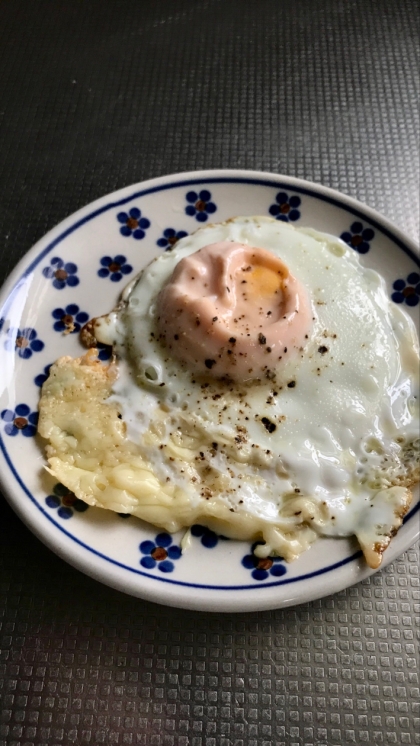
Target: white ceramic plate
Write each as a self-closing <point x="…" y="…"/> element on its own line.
<point x="79" y="269"/>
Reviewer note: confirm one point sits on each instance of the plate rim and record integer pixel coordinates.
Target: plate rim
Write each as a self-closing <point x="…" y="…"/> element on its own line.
<point x="332" y="195"/>
<point x="114" y="199"/>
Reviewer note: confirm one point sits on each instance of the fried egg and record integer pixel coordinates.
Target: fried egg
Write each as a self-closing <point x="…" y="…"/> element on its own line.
<point x="263" y="385"/>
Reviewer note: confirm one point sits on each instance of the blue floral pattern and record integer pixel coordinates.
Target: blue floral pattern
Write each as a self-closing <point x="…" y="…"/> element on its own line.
<point x="25" y="341"/>
<point x="69" y="319"/>
<point x="262" y="568"/>
<point x="104" y="352"/>
<point x="159" y="553"/>
<point x="114" y="267"/>
<point x="65" y="502"/>
<point x="170" y="238"/>
<point x="358" y="237"/>
<point x="133" y="224"/>
<point x="61" y="273"/>
<point x="20" y="420"/>
<point x="200" y="205"/>
<point x="285" y="208"/>
<point x="407" y="291"/>
<point x="208" y="538"/>
<point x="40" y="379"/>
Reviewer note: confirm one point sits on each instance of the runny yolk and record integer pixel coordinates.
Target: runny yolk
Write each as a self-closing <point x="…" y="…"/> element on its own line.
<point x="233" y="310"/>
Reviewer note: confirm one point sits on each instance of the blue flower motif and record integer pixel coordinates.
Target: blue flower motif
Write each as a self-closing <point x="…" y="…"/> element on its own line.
<point x="114" y="268"/>
<point x="200" y="205"/>
<point x="65" y="502"/>
<point x="262" y="568"/>
<point x="69" y="319"/>
<point x="159" y="553"/>
<point x="133" y="224"/>
<point x="408" y="290"/>
<point x="358" y="237"/>
<point x="40" y="379"/>
<point x="24" y="341"/>
<point x="169" y="238"/>
<point x="20" y="420"/>
<point x="207" y="537"/>
<point x="61" y="273"/>
<point x="285" y="207"/>
<point x="104" y="351"/>
<point x="2" y="320"/>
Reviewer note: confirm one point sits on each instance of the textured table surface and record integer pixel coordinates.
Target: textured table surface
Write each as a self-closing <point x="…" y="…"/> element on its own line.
<point x="95" y="95"/>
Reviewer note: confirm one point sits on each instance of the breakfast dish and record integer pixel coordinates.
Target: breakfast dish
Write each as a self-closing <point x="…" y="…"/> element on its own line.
<point x="264" y="386"/>
<point x="58" y="301"/>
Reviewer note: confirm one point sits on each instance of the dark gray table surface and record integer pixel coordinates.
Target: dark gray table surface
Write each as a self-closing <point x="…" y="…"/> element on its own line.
<point x="95" y="95"/>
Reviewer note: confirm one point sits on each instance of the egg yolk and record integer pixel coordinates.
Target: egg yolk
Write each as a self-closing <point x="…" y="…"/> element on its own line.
<point x="264" y="289"/>
<point x="234" y="311"/>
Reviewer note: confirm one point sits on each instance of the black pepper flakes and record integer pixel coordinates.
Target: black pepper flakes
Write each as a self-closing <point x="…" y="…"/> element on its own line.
<point x="291" y="384"/>
<point x="261" y="339"/>
<point x="209" y="363"/>
<point x="270" y="426"/>
<point x="323" y="349"/>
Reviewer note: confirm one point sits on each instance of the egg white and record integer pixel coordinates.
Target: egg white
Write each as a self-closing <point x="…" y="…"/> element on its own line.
<point x="325" y="444"/>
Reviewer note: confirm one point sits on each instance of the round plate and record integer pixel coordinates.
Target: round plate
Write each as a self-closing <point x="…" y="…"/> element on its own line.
<point x="78" y="270"/>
